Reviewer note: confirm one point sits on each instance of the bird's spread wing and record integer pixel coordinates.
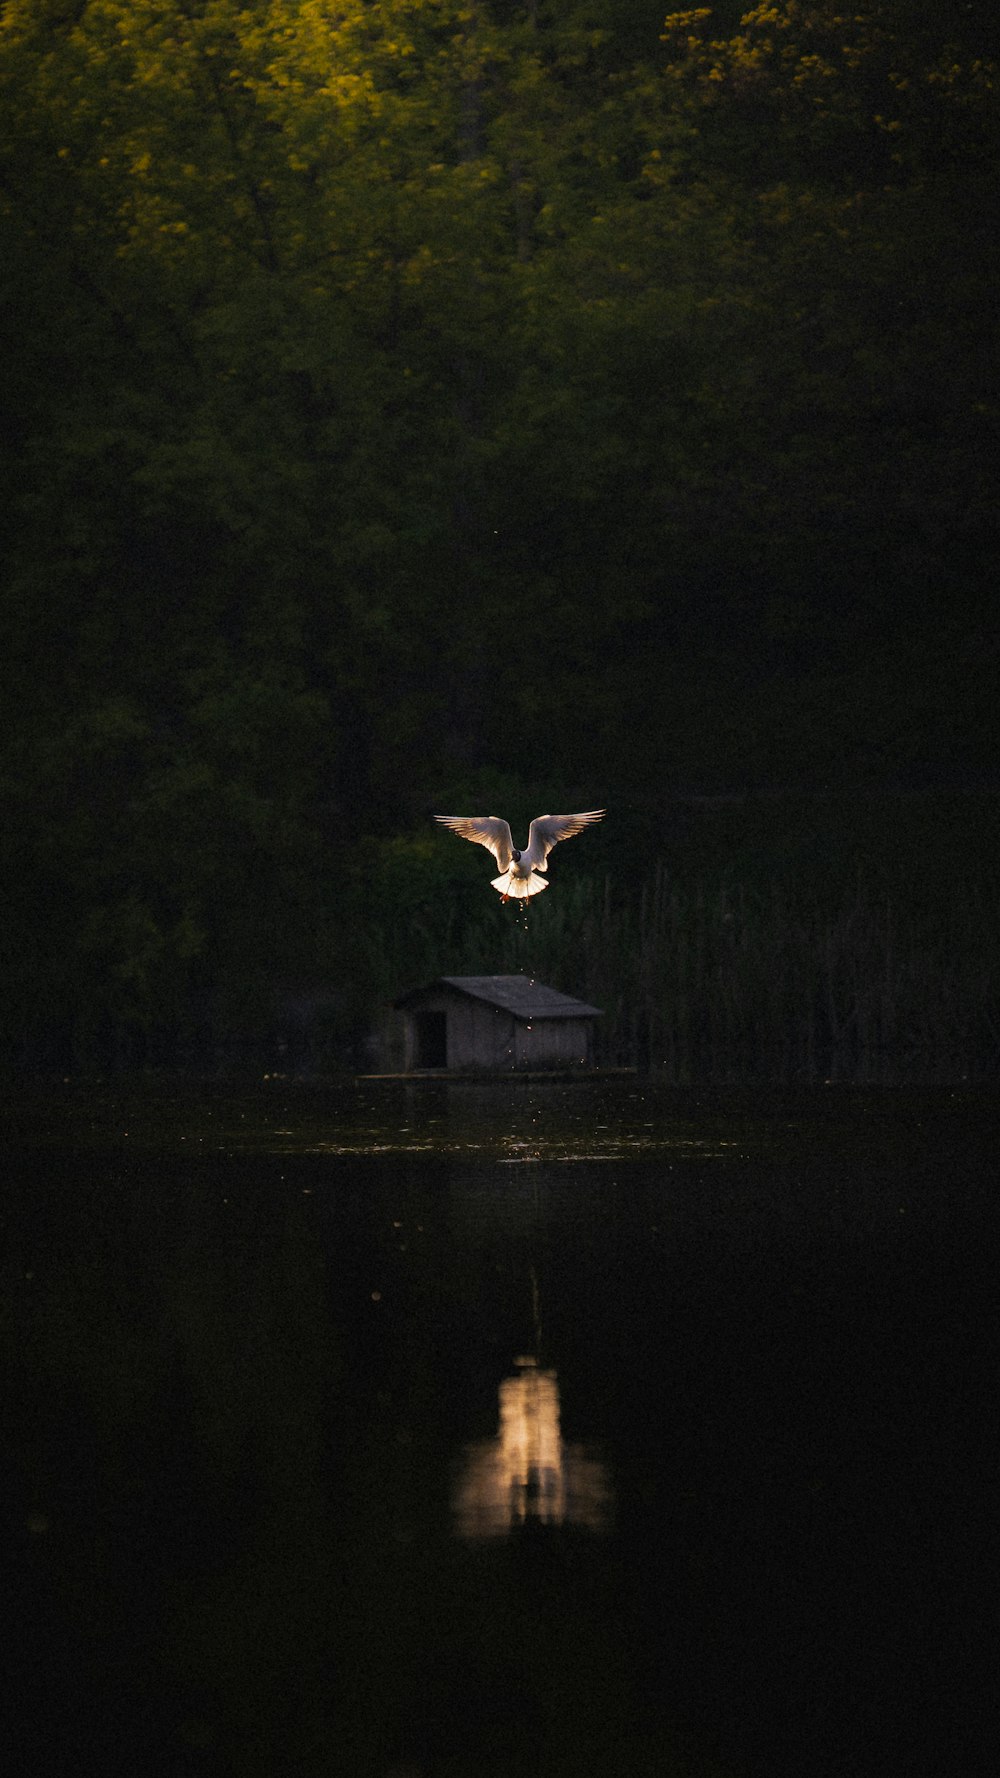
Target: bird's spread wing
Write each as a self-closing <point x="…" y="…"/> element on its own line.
<point x="486" y="830"/>
<point x="547" y="830"/>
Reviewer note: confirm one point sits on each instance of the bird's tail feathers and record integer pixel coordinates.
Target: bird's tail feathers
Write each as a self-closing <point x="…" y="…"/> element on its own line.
<point x="517" y="888"/>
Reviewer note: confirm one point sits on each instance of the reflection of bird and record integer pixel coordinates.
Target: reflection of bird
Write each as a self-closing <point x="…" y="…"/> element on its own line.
<point x="519" y="869"/>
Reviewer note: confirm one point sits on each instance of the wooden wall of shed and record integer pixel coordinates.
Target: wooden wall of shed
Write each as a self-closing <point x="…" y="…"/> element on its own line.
<point x="554" y="1043"/>
<point x="480" y="1036"/>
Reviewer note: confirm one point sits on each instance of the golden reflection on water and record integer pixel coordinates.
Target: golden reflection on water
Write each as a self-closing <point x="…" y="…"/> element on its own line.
<point x="528" y="1471"/>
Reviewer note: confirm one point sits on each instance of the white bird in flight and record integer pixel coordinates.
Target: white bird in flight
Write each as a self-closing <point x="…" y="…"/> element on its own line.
<point x="519" y="870"/>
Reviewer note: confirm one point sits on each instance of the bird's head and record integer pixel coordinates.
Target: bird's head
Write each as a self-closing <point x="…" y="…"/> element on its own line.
<point x="515" y="854"/>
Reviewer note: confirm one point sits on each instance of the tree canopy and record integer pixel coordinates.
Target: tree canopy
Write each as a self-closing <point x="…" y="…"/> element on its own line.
<point x="416" y="401"/>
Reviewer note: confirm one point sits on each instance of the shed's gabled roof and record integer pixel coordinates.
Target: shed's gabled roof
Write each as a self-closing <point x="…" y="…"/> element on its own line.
<point x="520" y="995"/>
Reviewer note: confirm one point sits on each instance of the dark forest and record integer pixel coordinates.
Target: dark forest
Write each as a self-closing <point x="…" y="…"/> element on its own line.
<point x="469" y="406"/>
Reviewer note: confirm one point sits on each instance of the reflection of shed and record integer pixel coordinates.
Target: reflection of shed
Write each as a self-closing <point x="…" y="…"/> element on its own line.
<point x="495" y="1023"/>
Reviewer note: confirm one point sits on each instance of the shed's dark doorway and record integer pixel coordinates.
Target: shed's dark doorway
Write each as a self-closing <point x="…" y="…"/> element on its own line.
<point x="432" y="1040"/>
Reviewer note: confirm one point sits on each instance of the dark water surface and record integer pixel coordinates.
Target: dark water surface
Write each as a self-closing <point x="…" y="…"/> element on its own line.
<point x="480" y="1430"/>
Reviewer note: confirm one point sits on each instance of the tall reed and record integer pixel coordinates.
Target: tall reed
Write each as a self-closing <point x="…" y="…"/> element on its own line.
<point x="720" y="981"/>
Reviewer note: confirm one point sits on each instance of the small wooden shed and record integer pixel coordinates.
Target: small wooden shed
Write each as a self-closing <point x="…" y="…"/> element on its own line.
<point x="494" y="1024"/>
